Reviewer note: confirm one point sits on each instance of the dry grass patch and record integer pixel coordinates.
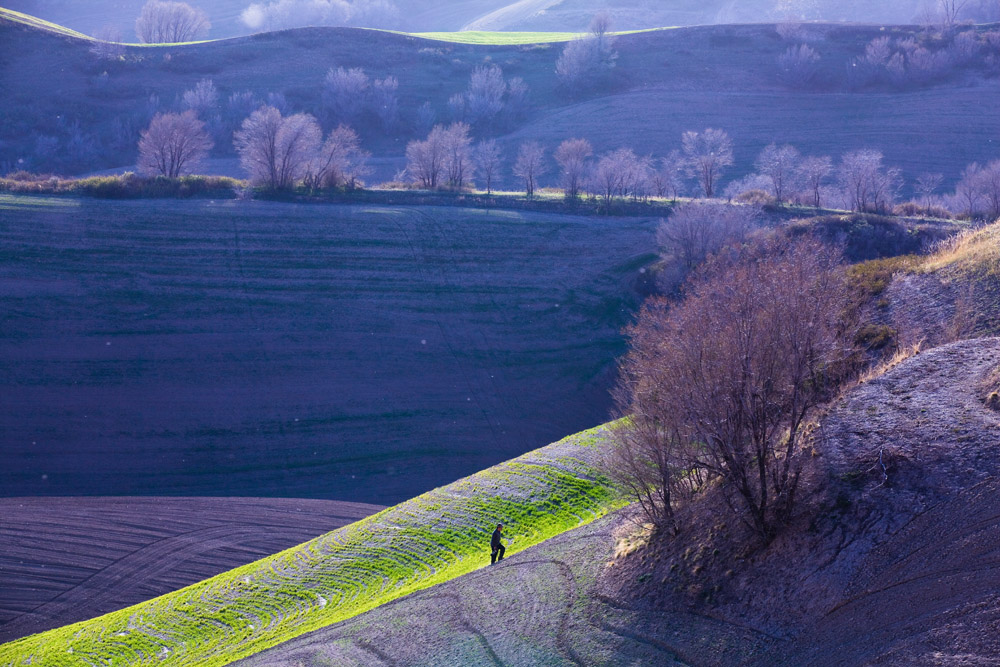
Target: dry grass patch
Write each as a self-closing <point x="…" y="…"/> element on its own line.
<point x="974" y="253"/>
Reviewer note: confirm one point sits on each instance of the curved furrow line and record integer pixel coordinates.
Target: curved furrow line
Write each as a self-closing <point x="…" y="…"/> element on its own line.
<point x="412" y="546"/>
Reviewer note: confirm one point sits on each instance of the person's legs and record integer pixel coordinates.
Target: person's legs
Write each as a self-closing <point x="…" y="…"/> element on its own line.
<point x="493" y="556"/>
<point x="502" y="551"/>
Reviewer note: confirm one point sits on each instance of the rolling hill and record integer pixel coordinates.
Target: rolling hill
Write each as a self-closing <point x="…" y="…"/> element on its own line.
<point x="364" y="353"/>
<point x="64" y="560"/>
<point x="429" y="539"/>
<point x="666" y="82"/>
<point x="528" y="15"/>
<point x="900" y="568"/>
<point x="902" y="573"/>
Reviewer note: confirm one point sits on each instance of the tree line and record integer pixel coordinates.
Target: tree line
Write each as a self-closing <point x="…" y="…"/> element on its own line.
<point x="282" y="151"/>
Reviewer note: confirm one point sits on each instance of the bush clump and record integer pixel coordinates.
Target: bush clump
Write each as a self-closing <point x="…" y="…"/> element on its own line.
<point x="122" y="186"/>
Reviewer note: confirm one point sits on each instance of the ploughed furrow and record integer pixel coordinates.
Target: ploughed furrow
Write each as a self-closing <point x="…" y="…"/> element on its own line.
<point x="64" y="560"/>
<point x="428" y="540"/>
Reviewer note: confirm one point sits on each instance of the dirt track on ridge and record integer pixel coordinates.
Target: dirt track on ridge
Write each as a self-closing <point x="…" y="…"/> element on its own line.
<point x="64" y="560"/>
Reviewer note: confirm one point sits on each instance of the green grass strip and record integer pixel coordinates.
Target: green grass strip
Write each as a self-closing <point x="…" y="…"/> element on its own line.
<point x="498" y="38"/>
<point x="34" y="22"/>
<point x="430" y="539"/>
<point x="481" y="37"/>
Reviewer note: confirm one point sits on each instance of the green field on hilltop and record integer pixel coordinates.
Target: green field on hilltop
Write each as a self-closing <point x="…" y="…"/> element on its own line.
<point x="498" y="38"/>
<point x="430" y="539"/>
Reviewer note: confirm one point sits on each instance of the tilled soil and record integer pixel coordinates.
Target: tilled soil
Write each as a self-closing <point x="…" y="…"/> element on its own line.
<point x="64" y="560"/>
<point x="199" y="348"/>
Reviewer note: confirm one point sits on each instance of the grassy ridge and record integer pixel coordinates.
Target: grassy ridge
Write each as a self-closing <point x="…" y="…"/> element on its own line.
<point x="493" y="38"/>
<point x="427" y="540"/>
<point x="34" y="22"/>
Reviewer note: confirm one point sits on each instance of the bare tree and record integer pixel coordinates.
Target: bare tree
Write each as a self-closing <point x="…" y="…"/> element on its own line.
<point x="173" y="144"/>
<point x="277" y="152"/>
<point x="166" y="22"/>
<point x="426" y="117"/>
<point x="780" y="165"/>
<point x="699" y="229"/>
<point x="340" y="162"/>
<point x="990" y="184"/>
<point x="584" y="60"/>
<point x="457" y="105"/>
<point x="426" y="160"/>
<point x="979" y="189"/>
<point x="485" y="98"/>
<point x="867" y="184"/>
<point x="530" y="165"/>
<point x="672" y="174"/>
<point x="798" y="65"/>
<point x="202" y="99"/>
<point x="345" y="92"/>
<point x="572" y="157"/>
<point x="714" y="384"/>
<point x="607" y="180"/>
<point x="926" y="185"/>
<point x="282" y="14"/>
<point x="814" y="171"/>
<point x="517" y="98"/>
<point x="488" y="159"/>
<point x="384" y="101"/>
<point x="968" y="189"/>
<point x="108" y="43"/>
<point x="458" y="154"/>
<point x="950" y="10"/>
<point x="707" y="154"/>
<point x="600" y="26"/>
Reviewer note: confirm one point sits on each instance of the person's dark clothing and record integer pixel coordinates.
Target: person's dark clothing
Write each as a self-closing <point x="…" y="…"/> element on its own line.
<point x="496" y="547"/>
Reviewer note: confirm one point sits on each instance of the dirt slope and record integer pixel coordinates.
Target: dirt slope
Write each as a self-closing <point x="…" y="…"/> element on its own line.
<point x="63" y="560"/>
<point x="901" y="573"/>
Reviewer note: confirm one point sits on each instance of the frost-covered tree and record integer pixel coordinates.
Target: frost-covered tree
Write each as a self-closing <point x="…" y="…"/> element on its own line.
<point x="458" y="155"/>
<point x="345" y="92"/>
<point x="340" y="162"/>
<point x="277" y="151"/>
<point x="813" y="172"/>
<point x="571" y="155"/>
<point x="530" y="165"/>
<point x="485" y="96"/>
<point x="108" y="43"/>
<point x="706" y="155"/>
<point x="779" y="164"/>
<point x="798" y="65"/>
<point x="173" y="144"/>
<point x="868" y="185"/>
<point x="166" y="22"/>
<point x="426" y="160"/>
<point x="202" y="99"/>
<point x="384" y="101"/>
<point x="585" y="60"/>
<point x="488" y="159"/>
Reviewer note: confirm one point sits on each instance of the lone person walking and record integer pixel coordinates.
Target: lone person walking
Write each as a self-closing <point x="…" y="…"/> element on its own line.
<point x="496" y="546"/>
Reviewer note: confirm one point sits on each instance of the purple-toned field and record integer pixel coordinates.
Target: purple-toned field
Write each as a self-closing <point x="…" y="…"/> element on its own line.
<point x="369" y="354"/>
<point x="64" y="560"/>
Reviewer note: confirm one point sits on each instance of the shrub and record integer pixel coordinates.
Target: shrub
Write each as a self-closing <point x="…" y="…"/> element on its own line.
<point x="712" y="385"/>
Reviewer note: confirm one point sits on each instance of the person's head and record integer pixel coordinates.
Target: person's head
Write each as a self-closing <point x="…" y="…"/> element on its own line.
<point x="499" y="526"/>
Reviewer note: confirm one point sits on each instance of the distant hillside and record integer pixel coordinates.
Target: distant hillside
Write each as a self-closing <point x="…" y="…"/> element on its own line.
<point x="529" y="15"/>
<point x="85" y="114"/>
